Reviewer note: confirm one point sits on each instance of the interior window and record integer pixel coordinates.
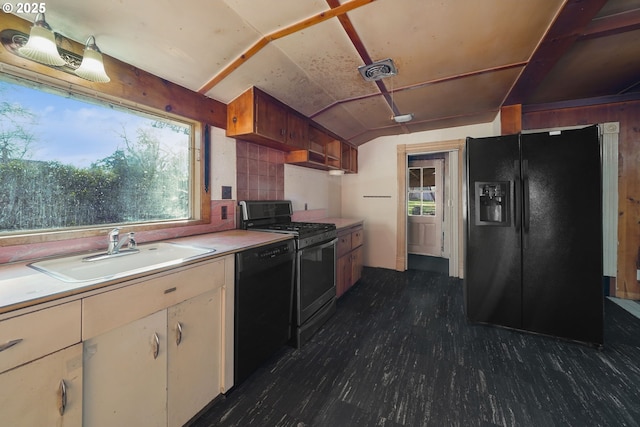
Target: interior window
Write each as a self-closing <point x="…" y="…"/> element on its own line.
<point x="67" y="161"/>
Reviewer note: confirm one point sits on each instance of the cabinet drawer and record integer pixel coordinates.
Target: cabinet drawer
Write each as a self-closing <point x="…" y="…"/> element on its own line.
<point x="344" y="244"/>
<point x="357" y="238"/>
<point x="103" y="312"/>
<point x="31" y="336"/>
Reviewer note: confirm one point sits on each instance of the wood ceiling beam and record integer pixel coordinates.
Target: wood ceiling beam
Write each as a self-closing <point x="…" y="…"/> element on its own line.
<point x="424" y="84"/>
<point x="613" y="24"/>
<point x="568" y="26"/>
<point x="264" y="41"/>
<point x="353" y="35"/>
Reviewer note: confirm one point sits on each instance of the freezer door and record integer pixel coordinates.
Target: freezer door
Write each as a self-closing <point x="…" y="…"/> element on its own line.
<point x="562" y="224"/>
<point x="493" y="254"/>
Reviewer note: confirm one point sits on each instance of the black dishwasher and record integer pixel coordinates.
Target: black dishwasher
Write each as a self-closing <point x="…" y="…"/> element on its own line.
<point x="263" y="304"/>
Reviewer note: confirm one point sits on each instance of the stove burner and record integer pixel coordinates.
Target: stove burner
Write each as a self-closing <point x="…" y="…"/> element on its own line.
<point x="275" y="216"/>
<point x="300" y="227"/>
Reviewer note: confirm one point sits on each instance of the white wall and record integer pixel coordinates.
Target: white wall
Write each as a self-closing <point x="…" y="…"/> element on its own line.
<point x="223" y="163"/>
<point x="377" y="179"/>
<point x="317" y="189"/>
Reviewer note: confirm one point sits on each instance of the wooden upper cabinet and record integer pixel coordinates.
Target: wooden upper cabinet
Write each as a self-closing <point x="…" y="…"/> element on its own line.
<point x="270" y="119"/>
<point x="258" y="117"/>
<point x="297" y="131"/>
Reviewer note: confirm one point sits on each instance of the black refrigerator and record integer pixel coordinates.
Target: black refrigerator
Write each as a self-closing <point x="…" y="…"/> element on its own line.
<point x="533" y="231"/>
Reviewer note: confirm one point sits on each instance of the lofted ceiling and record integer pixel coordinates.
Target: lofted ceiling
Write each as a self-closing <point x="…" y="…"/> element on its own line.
<point x="458" y="61"/>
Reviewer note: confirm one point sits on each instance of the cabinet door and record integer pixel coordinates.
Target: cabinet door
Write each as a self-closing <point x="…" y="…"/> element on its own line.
<point x="125" y="375"/>
<point x="356" y="265"/>
<point x="297" y="132"/>
<point x="46" y="392"/>
<point x="343" y="276"/>
<point x="194" y="347"/>
<point x="271" y="119"/>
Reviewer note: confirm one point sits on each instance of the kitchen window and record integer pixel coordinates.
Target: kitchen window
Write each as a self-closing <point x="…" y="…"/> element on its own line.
<point x="72" y="162"/>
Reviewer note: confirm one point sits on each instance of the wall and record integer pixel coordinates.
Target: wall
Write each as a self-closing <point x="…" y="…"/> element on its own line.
<point x="628" y="115"/>
<point x="263" y="175"/>
<point x="311" y="189"/>
<point x="260" y="172"/>
<point x="371" y="194"/>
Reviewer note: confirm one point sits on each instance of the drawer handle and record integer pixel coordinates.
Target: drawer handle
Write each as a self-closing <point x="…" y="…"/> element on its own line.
<point x="178" y="333"/>
<point x="63" y="398"/>
<point x="156" y="345"/>
<point x="9" y="344"/>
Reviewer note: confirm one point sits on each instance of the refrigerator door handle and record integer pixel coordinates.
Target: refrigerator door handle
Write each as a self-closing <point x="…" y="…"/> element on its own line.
<point x="517" y="209"/>
<point x="527" y="204"/>
<point x="517" y="201"/>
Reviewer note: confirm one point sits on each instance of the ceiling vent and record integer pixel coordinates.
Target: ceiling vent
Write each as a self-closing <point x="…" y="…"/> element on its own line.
<point x="378" y="70"/>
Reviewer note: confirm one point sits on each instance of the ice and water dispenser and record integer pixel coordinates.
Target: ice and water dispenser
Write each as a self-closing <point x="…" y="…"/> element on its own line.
<point x="492" y="203"/>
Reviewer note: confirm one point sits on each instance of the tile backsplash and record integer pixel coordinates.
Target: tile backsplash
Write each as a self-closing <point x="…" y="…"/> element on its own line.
<point x="260" y="172"/>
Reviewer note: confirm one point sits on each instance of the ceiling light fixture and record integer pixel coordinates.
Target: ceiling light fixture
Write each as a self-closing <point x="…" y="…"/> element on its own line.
<point x="92" y="67"/>
<point x="41" y="46"/>
<point x="403" y="118"/>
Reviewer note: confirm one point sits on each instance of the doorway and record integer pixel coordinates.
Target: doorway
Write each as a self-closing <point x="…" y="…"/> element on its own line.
<point x="425" y="213"/>
<point x="452" y="244"/>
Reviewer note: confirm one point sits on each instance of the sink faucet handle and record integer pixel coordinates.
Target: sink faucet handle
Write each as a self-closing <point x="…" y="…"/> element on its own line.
<point x="114" y="233"/>
<point x="132" y="244"/>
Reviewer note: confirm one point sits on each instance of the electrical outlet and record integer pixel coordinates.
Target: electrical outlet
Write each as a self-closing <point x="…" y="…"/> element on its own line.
<point x="638" y="275"/>
<point x="226" y="192"/>
<point x="223" y="212"/>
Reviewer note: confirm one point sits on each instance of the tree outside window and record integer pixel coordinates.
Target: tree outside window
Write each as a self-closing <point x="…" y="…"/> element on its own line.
<point x="66" y="162"/>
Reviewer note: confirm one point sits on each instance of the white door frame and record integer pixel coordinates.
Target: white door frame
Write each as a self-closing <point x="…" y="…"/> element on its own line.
<point x="455" y="149"/>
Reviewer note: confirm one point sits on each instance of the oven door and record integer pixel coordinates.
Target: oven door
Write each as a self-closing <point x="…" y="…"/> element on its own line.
<point x="316" y="278"/>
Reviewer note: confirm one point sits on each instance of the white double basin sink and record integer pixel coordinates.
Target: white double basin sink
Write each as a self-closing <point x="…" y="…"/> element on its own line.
<point x="103" y="266"/>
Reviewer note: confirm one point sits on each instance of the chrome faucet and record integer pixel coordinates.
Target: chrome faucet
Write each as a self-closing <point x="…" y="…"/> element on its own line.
<point x="115" y="245"/>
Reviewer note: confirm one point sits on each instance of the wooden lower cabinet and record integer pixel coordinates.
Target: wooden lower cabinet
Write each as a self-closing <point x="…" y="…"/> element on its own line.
<point x="45" y="392"/>
<point x="161" y="369"/>
<point x="153" y="351"/>
<point x="157" y="371"/>
<point x="125" y="375"/>
<point x="194" y="341"/>
<point x="350" y="258"/>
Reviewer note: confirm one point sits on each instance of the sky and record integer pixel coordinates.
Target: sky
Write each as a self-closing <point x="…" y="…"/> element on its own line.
<point x="76" y="132"/>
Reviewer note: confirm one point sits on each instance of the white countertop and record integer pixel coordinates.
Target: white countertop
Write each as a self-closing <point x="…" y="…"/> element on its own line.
<point x="22" y="286"/>
<point x="339" y="222"/>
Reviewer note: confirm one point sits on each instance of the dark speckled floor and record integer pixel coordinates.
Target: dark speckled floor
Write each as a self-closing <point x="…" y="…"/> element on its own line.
<point x="399" y="352"/>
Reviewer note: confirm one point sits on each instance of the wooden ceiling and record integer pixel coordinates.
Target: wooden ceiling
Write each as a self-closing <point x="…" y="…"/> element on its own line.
<point x="458" y="61"/>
